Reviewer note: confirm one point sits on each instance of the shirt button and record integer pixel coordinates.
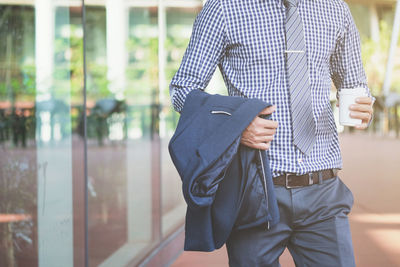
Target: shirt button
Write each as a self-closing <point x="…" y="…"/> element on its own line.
<point x="300" y="160"/>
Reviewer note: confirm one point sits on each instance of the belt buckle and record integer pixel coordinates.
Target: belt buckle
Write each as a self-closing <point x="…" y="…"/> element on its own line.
<point x="310" y="180"/>
<point x="287" y="181"/>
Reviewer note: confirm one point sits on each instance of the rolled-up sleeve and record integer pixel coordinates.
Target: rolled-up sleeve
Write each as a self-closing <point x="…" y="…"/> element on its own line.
<point x="346" y="67"/>
<point x="347" y="70"/>
<point x="203" y="54"/>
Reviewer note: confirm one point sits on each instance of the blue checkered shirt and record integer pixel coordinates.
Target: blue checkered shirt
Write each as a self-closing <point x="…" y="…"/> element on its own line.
<point x="246" y="40"/>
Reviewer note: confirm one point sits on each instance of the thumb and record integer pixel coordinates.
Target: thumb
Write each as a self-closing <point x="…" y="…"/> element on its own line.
<point x="268" y="110"/>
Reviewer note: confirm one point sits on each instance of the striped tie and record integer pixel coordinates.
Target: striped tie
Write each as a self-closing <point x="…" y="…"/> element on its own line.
<point x="300" y="94"/>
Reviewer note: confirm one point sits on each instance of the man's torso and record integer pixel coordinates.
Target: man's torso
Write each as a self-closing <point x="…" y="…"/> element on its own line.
<point x="254" y="66"/>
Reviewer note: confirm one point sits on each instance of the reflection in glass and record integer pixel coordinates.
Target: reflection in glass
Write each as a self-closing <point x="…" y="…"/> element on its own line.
<point x="46" y="128"/>
<point x="179" y="23"/>
<point x="40" y="104"/>
<point x="122" y="75"/>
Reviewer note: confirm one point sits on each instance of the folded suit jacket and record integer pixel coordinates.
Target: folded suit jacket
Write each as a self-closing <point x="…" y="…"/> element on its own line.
<point x="226" y="185"/>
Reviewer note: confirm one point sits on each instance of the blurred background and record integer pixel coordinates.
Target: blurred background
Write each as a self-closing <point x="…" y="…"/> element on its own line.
<point x="85" y="120"/>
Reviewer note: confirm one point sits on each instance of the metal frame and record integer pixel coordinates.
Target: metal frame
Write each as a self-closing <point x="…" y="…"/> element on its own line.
<point x="166" y="253"/>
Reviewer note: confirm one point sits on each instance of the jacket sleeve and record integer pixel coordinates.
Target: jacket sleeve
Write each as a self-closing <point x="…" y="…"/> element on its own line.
<point x="203" y="54"/>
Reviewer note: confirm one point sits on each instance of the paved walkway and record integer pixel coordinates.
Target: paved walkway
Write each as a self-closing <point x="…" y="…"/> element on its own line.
<point x="371" y="168"/>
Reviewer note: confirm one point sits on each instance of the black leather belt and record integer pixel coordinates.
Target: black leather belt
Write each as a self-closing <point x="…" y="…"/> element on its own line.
<point x="291" y="180"/>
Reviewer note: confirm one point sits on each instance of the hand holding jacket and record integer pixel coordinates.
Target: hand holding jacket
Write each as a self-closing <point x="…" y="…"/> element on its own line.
<point x="260" y="132"/>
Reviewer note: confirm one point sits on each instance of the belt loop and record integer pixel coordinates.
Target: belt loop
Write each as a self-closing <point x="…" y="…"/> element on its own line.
<point x="320" y="177"/>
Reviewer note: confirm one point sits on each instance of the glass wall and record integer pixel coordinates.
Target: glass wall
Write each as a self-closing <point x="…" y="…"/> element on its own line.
<point x="122" y="131"/>
<point x="41" y="137"/>
<point x="178" y="28"/>
<point x="85" y="120"/>
<point x="179" y="20"/>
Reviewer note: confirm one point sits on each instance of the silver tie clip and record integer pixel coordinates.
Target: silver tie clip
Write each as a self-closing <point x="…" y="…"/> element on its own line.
<point x="294" y="51"/>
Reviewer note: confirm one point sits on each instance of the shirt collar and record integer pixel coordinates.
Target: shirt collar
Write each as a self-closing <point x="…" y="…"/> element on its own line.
<point x="281" y="5"/>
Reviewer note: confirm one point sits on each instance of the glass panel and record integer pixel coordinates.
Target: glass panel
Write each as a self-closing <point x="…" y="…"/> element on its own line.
<point x="179" y="23"/>
<point x="122" y="81"/>
<point x="40" y="102"/>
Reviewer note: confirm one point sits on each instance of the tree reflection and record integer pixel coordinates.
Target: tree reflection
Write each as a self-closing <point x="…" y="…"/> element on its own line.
<point x="18" y="208"/>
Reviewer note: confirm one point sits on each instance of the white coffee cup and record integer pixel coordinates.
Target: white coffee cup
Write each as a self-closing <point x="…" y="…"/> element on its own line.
<point x="347" y="97"/>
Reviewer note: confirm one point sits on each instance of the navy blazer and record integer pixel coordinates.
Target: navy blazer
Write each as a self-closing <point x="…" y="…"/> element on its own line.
<point x="226" y="185"/>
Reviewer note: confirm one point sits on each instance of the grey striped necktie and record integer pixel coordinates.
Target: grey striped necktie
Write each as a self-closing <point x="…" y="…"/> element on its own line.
<point x="300" y="93"/>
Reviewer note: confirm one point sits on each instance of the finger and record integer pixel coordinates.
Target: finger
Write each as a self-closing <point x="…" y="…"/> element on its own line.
<point x="268" y="110"/>
<point x="361" y="107"/>
<point x="246" y="141"/>
<point x="360" y="115"/>
<point x="364" y="100"/>
<point x="262" y="146"/>
<point x="264" y="139"/>
<point x="362" y="126"/>
<point x="255" y="145"/>
<point x="259" y="131"/>
<point x="269" y="124"/>
<point x="269" y="131"/>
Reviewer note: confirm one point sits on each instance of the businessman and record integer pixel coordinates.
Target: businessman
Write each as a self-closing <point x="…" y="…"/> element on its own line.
<point x="286" y="52"/>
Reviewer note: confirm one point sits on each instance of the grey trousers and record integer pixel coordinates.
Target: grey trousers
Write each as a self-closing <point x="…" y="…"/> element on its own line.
<point x="314" y="227"/>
